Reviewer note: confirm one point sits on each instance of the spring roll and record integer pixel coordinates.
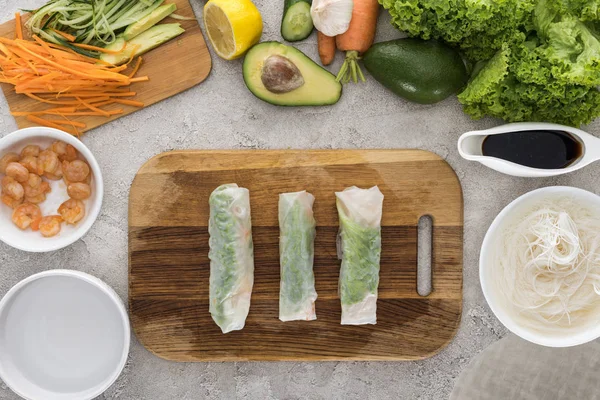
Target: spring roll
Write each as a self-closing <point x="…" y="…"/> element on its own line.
<point x="231" y="256"/>
<point x="359" y="247"/>
<point x="297" y="293"/>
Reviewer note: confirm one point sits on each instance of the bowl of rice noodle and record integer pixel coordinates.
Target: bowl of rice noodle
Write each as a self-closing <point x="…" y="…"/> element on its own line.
<point x="540" y="266"/>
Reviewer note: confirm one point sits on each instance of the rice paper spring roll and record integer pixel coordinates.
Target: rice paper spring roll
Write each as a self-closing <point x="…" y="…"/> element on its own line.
<point x="297" y="294"/>
<point x="359" y="247"/>
<point x="231" y="256"/>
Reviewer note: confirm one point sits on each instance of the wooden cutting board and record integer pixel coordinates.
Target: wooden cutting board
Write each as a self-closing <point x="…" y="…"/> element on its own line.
<point x="172" y="68"/>
<point x="169" y="265"/>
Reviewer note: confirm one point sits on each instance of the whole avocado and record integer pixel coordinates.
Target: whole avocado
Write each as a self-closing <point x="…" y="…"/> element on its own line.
<point x="422" y="71"/>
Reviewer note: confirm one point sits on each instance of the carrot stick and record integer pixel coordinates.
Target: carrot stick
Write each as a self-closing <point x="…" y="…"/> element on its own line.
<point x="136" y="68"/>
<point x="326" y="46"/>
<point x="93" y="108"/>
<point x="50" y="110"/>
<point x="73" y="84"/>
<point x="56" y="65"/>
<point x="93" y="113"/>
<point x="101" y="104"/>
<point x="129" y="102"/>
<point x="100" y="49"/>
<point x="357" y="39"/>
<point x="49" y="124"/>
<point x="18" y="26"/>
<point x="140" y="79"/>
<point x="67" y="36"/>
<point x="67" y="122"/>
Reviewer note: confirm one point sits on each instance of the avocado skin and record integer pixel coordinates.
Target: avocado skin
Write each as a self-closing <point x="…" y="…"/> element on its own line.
<point x="422" y="71"/>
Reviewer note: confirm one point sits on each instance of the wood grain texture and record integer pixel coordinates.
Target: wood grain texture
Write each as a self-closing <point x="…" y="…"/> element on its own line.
<point x="173" y="67"/>
<point x="169" y="266"/>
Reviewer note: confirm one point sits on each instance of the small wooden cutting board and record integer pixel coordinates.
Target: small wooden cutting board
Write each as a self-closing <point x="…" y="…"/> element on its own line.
<point x="172" y="68"/>
<point x="169" y="266"/>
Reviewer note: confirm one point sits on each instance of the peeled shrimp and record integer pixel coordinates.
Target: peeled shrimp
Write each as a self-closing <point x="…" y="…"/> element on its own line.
<point x="7" y="159"/>
<point x="65" y="152"/>
<point x="37" y="188"/>
<point x="34" y="180"/>
<point x="56" y="175"/>
<point x="79" y="191"/>
<point x="31" y="150"/>
<point x="50" y="225"/>
<point x="32" y="164"/>
<point x="9" y="201"/>
<point x="27" y="215"/>
<point x="40" y="198"/>
<point x="17" y="171"/>
<point x="75" y="171"/>
<point x="12" y="188"/>
<point x="72" y="211"/>
<point x="48" y="161"/>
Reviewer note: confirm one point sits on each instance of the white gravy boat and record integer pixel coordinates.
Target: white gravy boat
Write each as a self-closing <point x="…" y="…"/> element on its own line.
<point x="470" y="148"/>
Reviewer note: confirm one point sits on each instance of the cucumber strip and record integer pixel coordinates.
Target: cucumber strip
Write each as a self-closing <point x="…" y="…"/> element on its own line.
<point x="132" y="16"/>
<point x="296" y="23"/>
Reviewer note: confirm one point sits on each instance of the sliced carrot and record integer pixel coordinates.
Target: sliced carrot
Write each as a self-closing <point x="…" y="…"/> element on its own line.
<point x="67" y="122"/>
<point x="93" y="113"/>
<point x="73" y="84"/>
<point x="140" y="79"/>
<point x="18" y="26"/>
<point x="49" y="124"/>
<point x="101" y="104"/>
<point x="67" y="36"/>
<point x="7" y="52"/>
<point x="62" y="103"/>
<point x="50" y="110"/>
<point x="94" y="94"/>
<point x="138" y="64"/>
<point x="93" y="108"/>
<point x="129" y="102"/>
<point x="99" y="49"/>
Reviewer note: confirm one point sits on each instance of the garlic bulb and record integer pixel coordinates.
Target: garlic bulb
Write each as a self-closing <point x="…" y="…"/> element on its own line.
<point x="331" y="17"/>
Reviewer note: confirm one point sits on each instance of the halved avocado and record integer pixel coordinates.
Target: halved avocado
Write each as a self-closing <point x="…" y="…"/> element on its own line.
<point x="284" y="76"/>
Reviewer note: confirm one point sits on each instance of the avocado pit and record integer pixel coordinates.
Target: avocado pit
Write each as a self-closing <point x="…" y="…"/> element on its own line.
<point x="280" y="75"/>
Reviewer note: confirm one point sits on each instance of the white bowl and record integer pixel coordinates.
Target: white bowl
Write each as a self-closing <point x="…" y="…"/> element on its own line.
<point x="65" y="336"/>
<point x="504" y="312"/>
<point x="33" y="241"/>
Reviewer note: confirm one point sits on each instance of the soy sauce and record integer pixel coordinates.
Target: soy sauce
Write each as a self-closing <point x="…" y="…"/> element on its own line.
<point x="536" y="149"/>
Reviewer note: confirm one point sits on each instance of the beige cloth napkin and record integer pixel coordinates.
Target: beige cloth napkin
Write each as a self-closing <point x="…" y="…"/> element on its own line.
<point x="513" y="368"/>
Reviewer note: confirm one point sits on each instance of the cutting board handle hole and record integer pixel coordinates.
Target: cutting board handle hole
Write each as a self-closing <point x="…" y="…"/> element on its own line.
<point x="424" y="255"/>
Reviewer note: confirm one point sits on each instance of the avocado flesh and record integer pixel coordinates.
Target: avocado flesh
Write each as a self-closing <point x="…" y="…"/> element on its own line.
<point x="319" y="88"/>
<point x="149" y="21"/>
<point x="142" y="43"/>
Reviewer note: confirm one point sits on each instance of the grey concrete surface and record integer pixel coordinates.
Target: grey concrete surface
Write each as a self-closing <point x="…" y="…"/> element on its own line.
<point x="221" y="114"/>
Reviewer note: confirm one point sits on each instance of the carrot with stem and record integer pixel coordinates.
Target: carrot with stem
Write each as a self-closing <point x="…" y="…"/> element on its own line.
<point x="357" y="39"/>
<point x="326" y="46"/>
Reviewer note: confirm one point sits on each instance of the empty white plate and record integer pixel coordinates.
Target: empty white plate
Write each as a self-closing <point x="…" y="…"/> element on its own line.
<point x="64" y="335"/>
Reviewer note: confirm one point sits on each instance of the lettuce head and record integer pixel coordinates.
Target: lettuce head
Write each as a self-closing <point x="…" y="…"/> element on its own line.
<point x="541" y="58"/>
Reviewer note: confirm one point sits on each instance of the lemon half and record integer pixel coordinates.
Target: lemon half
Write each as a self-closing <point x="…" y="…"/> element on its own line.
<point x="233" y="26"/>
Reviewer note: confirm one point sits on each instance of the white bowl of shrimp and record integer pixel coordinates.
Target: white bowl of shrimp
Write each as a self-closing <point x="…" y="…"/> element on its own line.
<point x="52" y="189"/>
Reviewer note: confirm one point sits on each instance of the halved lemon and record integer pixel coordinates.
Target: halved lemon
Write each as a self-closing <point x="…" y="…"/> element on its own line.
<point x="233" y="26"/>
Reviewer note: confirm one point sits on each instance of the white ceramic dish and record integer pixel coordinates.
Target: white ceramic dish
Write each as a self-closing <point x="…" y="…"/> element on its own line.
<point x="503" y="311"/>
<point x="34" y="241"/>
<point x="64" y="335"/>
<point x="470" y="148"/>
